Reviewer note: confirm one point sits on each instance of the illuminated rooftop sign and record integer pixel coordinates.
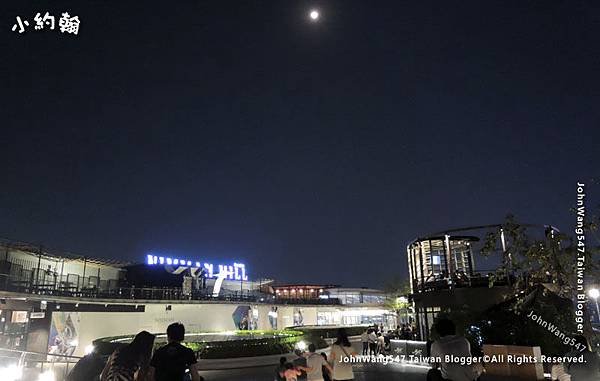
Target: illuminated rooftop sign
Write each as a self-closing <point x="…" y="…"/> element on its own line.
<point x="235" y="271"/>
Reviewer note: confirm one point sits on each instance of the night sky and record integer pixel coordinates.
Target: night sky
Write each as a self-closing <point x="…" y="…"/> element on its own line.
<point x="241" y="130"/>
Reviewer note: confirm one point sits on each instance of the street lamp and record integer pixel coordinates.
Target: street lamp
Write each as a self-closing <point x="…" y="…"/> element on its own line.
<point x="594" y="293"/>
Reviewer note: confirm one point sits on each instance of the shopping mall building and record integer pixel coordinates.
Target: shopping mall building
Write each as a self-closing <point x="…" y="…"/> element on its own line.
<point x="58" y="302"/>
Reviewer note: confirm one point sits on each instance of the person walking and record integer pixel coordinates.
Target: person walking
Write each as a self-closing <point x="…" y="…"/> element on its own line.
<point x="341" y="356"/>
<point x="171" y="361"/>
<point x="130" y="363"/>
<point x="380" y="344"/>
<point x="450" y="343"/>
<point x="315" y="364"/>
<point x="372" y="342"/>
<point x="364" y="339"/>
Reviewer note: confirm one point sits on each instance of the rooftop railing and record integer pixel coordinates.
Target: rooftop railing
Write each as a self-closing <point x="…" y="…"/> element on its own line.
<point x="460" y="280"/>
<point x="482" y="278"/>
<point x="8" y="283"/>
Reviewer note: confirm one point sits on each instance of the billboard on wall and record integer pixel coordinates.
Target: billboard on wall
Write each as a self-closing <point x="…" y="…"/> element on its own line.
<point x="273" y="317"/>
<point x="240" y="317"/>
<point x="298" y="317"/>
<point x="64" y="333"/>
<point x="245" y="317"/>
<point x="19" y="317"/>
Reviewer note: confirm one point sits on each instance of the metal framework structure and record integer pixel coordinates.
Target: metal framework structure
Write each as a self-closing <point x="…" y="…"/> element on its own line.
<point x="437" y="259"/>
<point x="442" y="265"/>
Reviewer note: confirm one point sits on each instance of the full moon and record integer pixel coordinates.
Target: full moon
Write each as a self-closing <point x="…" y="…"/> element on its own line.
<point x="314" y="15"/>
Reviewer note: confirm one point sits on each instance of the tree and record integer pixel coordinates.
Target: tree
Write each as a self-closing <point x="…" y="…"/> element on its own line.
<point x="514" y="322"/>
<point x="527" y="261"/>
<point x="397" y="286"/>
<point x="397" y="297"/>
<point x="550" y="261"/>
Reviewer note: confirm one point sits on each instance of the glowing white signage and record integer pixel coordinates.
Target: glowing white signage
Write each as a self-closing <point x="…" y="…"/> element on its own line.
<point x="236" y="271"/>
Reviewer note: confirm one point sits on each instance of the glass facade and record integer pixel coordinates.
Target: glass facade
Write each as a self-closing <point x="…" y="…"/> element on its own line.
<point x="358" y="316"/>
<point x="302" y="292"/>
<point x="327" y="318"/>
<point x="356" y="296"/>
<point x="345" y="296"/>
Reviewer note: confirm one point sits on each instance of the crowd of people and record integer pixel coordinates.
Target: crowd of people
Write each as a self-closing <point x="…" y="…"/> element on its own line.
<point x="173" y="362"/>
<point x="317" y="366"/>
<point x="137" y="361"/>
<point x="376" y="341"/>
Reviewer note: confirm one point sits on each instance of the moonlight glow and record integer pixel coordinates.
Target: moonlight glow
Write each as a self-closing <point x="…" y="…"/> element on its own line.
<point x="314" y="15"/>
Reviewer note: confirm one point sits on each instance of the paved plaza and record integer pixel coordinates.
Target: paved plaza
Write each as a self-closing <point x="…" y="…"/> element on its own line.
<point x="362" y="372"/>
<point x="370" y="372"/>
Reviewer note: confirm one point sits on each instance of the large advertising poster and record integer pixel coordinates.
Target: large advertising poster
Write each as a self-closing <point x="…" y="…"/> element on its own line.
<point x="64" y="333"/>
<point x="273" y="317"/>
<point x="245" y="318"/>
<point x="240" y="317"/>
<point x="298" y="317"/>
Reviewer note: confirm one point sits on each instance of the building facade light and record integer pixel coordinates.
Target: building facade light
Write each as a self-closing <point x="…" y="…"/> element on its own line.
<point x="235" y="271"/>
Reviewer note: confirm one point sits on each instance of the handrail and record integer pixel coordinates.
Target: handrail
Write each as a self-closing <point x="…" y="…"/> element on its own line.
<point x="29" y="365"/>
<point x="39" y="353"/>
